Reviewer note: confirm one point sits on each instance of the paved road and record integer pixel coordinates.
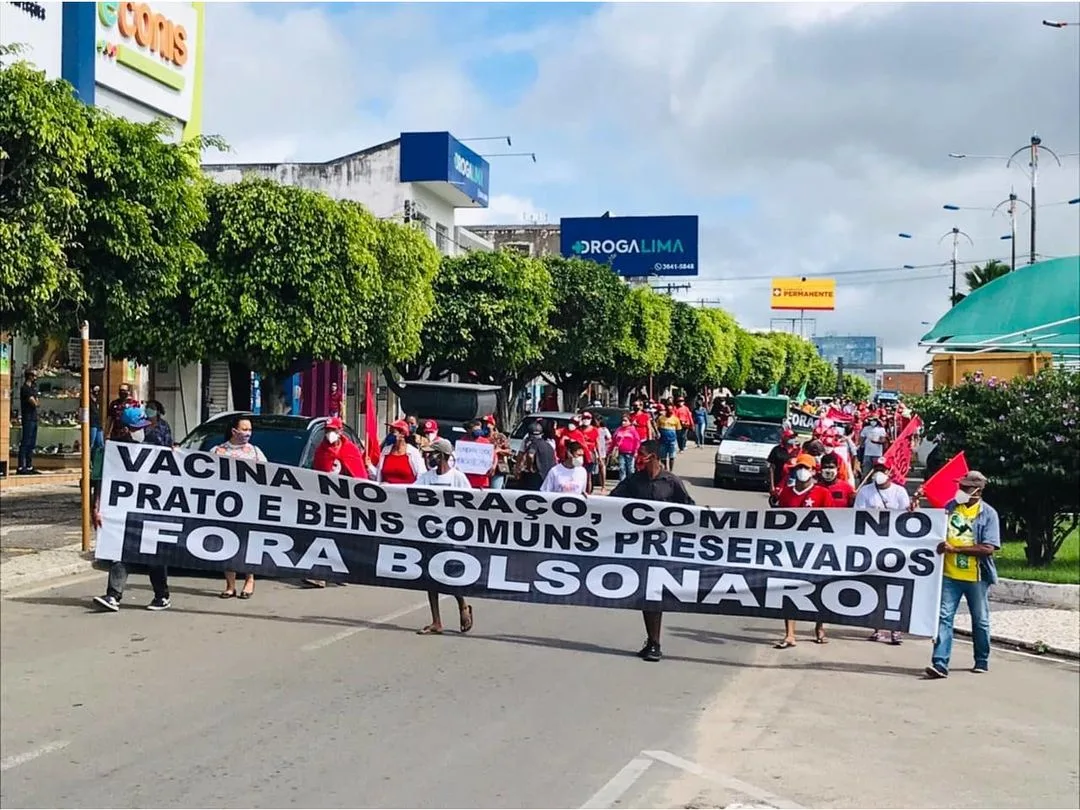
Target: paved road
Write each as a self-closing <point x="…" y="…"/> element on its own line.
<point x="38" y="518"/>
<point x="329" y="699"/>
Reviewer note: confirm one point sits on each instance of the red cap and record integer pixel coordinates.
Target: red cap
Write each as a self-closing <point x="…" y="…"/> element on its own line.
<point x="334" y="423"/>
<point x="586" y="415"/>
<point x="490" y="419"/>
<point x="401" y="425"/>
<point x="430" y="426"/>
<point x="881" y="463"/>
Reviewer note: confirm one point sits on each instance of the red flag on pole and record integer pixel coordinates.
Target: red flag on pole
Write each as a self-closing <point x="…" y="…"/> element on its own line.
<point x="941" y="486"/>
<point x="838" y="415"/>
<point x="898" y="456"/>
<point x="371" y="422"/>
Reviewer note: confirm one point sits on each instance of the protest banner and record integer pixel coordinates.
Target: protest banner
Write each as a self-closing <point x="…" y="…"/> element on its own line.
<point x="840" y="566"/>
<point x="474" y="458"/>
<point x="802" y="422"/>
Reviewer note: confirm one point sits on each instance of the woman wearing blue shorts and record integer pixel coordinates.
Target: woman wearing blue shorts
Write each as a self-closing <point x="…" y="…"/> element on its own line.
<point x="669" y="425"/>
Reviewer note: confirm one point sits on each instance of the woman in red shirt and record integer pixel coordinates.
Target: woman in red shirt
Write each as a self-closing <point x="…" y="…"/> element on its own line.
<point x="402" y="463"/>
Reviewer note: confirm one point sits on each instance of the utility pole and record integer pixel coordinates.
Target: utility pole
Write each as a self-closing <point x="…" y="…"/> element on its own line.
<point x="1011" y="202"/>
<point x="955" y="233"/>
<point x="669" y="288"/>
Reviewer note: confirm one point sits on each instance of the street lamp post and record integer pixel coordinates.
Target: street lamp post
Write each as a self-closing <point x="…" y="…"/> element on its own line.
<point x="955" y="233"/>
<point x="1033" y="147"/>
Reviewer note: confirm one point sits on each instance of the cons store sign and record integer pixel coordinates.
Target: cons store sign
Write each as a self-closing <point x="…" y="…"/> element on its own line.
<point x="635" y="247"/>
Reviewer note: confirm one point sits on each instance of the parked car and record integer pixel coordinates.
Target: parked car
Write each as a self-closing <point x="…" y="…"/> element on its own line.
<point x="284" y="439"/>
<point x="521" y="429"/>
<point x="743" y="452"/>
<point x="713" y="430"/>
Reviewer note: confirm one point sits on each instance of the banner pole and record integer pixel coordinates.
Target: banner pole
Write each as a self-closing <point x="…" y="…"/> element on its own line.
<point x="84" y="418"/>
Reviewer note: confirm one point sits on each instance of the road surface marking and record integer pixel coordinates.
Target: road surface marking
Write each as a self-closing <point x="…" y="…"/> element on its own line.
<point x="619" y="784"/>
<point x="352" y="631"/>
<point x="21" y="759"/>
<point x="727" y="781"/>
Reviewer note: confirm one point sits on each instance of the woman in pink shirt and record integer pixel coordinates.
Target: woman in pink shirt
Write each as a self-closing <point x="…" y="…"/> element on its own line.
<point x="626" y="442"/>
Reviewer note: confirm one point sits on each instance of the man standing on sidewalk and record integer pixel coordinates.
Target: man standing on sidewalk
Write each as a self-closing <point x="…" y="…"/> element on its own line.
<point x="652" y="483"/>
<point x="29" y="397"/>
<point x="973" y="535"/>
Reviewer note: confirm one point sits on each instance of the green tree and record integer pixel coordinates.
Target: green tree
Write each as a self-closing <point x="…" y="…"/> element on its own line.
<point x="856" y="387"/>
<point x="491" y="322"/>
<point x="981" y="275"/>
<point x="738" y="372"/>
<point x="727" y="334"/>
<point x="291" y="276"/>
<point x="644" y="351"/>
<point x="46" y="138"/>
<point x="822" y="378"/>
<point x="408" y="263"/>
<point x="766" y="363"/>
<point x="696" y="350"/>
<point x="1024" y="436"/>
<point x="590" y="320"/>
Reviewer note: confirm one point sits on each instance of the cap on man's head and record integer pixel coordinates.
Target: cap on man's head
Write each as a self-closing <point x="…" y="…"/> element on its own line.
<point x="442" y="446"/>
<point x="401" y="425"/>
<point x="489" y="419"/>
<point x="586" y="415"/>
<point x="881" y="464"/>
<point x="430" y="426"/>
<point x="805" y="460"/>
<point x="974" y="478"/>
<point x="334" y="423"/>
<point x="815" y="448"/>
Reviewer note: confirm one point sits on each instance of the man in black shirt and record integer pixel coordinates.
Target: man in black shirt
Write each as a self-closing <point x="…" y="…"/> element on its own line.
<point x="652" y="482"/>
<point x="29" y="397"/>
<point x="779" y="458"/>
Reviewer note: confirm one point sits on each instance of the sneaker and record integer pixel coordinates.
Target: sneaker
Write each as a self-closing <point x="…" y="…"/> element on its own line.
<point x="895" y="638"/>
<point x="936" y="674"/>
<point x="159" y="604"/>
<point x="980" y="669"/>
<point x="651" y="652"/>
<point x="107" y="603"/>
<point x="875" y="636"/>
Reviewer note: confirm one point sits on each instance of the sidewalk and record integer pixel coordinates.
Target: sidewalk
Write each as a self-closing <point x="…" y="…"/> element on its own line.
<point x="1039" y="629"/>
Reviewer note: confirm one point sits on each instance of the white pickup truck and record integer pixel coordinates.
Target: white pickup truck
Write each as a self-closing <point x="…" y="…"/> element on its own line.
<point x="744" y="451"/>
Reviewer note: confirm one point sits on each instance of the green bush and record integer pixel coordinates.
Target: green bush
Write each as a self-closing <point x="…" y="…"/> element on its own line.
<point x="1024" y="436"/>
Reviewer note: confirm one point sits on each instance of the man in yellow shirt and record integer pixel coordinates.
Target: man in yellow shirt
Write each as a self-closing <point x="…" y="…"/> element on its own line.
<point x="973" y="535"/>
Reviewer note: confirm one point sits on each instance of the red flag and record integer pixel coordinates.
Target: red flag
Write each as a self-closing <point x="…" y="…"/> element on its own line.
<point x="838" y="415"/>
<point x="371" y="422"/>
<point x="941" y="486"/>
<point x="898" y="456"/>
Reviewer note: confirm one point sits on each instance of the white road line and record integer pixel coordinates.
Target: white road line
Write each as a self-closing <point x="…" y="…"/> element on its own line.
<point x="21" y="759"/>
<point x="618" y="784"/>
<point x="727" y="781"/>
<point x="352" y="631"/>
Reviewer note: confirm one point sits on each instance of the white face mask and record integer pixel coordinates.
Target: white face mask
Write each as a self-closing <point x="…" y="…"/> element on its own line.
<point x="332" y="436"/>
<point x="578" y="461"/>
<point x="962" y="497"/>
<point x="803" y="475"/>
<point x="137" y="435"/>
<point x="829" y="474"/>
<point x="881" y="479"/>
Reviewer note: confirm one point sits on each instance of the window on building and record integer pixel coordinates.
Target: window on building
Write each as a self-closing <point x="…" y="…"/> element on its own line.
<point x="442" y="239"/>
<point x="524" y="248"/>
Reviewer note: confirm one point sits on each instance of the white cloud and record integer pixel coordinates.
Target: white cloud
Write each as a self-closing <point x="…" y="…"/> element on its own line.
<point x="503" y="209"/>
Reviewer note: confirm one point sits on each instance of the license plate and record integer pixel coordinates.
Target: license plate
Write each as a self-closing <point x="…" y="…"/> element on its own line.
<point x="749" y="468"/>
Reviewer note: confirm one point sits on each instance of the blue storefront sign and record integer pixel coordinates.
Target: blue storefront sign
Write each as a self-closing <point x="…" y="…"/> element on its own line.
<point x="856" y="350"/>
<point x="635" y="247"/>
<point x="446" y="166"/>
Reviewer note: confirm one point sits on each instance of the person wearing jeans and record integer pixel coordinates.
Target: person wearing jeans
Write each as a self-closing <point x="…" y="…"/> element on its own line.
<point x="973" y="534"/>
<point x="626" y="441"/>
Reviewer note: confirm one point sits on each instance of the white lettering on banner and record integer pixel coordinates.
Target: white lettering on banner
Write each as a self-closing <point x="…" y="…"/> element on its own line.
<point x="841" y="566"/>
<point x="474" y="458"/>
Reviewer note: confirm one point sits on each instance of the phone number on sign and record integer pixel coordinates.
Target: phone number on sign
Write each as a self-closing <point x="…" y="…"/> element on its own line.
<point x="684" y="266"/>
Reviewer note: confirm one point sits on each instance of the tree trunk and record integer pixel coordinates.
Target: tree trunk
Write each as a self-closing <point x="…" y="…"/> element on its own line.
<point x="1039" y="539"/>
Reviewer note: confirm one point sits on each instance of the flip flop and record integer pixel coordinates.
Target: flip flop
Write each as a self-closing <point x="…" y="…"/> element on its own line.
<point x="466" y="626"/>
<point x="783" y="645"/>
<point x="430" y="630"/>
<point x="821" y="640"/>
<point x="245" y="594"/>
<point x="227" y="595"/>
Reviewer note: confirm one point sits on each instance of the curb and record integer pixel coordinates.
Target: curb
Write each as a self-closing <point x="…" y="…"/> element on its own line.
<point x="1036" y="594"/>
<point x="30" y="569"/>
<point x="23" y="482"/>
<point x="1034" y="647"/>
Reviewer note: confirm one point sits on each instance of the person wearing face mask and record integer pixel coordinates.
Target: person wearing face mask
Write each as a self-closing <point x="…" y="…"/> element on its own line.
<point x="440" y="474"/>
<point x="591" y="434"/>
<point x="874" y="441"/>
<point x="882" y="493"/>
<point x="642" y="421"/>
<point x="502" y="452"/>
<point x="972" y="536"/>
<point x="626" y="442"/>
<point x="803" y="493"/>
<point x="238" y="444"/>
<point x="130" y="427"/>
<point x="475" y="430"/>
<point x="159" y="431"/>
<point x="780" y="459"/>
<point x="401" y="463"/>
<point x="570" y="476"/>
<point x="841" y="492"/>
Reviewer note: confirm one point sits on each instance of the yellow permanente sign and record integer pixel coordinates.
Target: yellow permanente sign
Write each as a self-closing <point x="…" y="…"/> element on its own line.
<point x="804" y="293"/>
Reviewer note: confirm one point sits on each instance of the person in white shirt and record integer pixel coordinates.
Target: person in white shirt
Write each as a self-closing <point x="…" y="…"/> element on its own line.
<point x="570" y="475"/>
<point x="440" y="474"/>
<point x="882" y="493"/>
<point x="874" y="437"/>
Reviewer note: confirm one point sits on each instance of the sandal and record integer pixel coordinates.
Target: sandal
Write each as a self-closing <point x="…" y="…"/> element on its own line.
<point x="246" y="594"/>
<point x="783" y="645"/>
<point x="314" y="583"/>
<point x="430" y="630"/>
<point x="227" y="595"/>
<point x="466" y="619"/>
<point x="821" y="639"/>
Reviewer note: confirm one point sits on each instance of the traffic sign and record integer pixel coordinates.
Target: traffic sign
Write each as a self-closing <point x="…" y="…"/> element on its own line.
<point x="97" y="353"/>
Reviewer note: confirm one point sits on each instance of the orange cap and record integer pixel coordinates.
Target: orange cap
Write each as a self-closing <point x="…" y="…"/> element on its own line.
<point x="805" y="460"/>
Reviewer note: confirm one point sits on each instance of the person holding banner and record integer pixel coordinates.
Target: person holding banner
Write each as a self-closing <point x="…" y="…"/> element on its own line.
<point x="652" y="482"/>
<point x="571" y="476"/>
<point x="441" y="474"/>
<point x="238" y="444"/>
<point x="883" y="493"/>
<point x="972" y="536"/>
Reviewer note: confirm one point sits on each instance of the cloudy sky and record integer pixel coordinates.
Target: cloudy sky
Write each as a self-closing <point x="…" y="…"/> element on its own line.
<point x="805" y="136"/>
